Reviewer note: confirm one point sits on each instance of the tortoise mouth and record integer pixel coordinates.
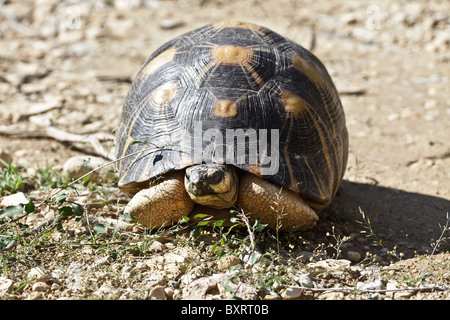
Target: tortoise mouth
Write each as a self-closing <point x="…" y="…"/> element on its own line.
<point x="200" y="190"/>
<point x="213" y="185"/>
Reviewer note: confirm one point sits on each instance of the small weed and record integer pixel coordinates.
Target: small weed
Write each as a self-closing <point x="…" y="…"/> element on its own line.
<point x="228" y="236"/>
<point x="366" y="223"/>
<point x="339" y="241"/>
<point x="442" y="239"/>
<point x="47" y="178"/>
<point x="280" y="213"/>
<point x="272" y="279"/>
<point x="10" y="178"/>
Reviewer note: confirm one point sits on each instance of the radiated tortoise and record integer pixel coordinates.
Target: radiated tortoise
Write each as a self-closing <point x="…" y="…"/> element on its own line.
<point x="232" y="114"/>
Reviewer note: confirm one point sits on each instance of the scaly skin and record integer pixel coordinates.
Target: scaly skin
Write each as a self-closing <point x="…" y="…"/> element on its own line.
<point x="267" y="203"/>
<point x="166" y="201"/>
<point x="163" y="204"/>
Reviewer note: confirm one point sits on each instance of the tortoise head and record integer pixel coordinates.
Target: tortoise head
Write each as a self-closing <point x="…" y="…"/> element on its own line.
<point x="212" y="185"/>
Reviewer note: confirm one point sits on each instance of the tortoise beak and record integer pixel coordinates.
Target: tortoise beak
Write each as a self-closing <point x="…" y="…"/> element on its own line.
<point x="195" y="188"/>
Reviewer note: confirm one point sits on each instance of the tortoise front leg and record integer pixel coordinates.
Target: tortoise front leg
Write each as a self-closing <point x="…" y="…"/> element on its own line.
<point x="163" y="203"/>
<point x="270" y="204"/>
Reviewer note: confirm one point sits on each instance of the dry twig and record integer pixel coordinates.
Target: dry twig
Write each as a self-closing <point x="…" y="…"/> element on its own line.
<point x="244" y="218"/>
<point x="50" y="132"/>
<point x="419" y="289"/>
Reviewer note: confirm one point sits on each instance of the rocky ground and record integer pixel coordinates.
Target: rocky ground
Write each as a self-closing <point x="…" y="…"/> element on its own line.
<point x="65" y="68"/>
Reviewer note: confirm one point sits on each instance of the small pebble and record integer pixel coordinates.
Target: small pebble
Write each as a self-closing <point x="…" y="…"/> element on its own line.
<point x="40" y="287"/>
<point x="55" y="287"/>
<point x="157" y="293"/>
<point x="377" y="284"/>
<point x="291" y="293"/>
<point x="272" y="296"/>
<point x="227" y="262"/>
<point x="14" y="199"/>
<point x="35" y="295"/>
<point x="353" y="256"/>
<point x="6" y="286"/>
<point x="332" y="295"/>
<point x="170" y="24"/>
<point x="305" y="280"/>
<point x="404" y="294"/>
<point x="156" y="246"/>
<point x="169" y="292"/>
<point x="38" y="275"/>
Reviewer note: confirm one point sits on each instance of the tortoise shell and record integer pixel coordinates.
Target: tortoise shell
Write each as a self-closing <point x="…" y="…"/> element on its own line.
<point x="241" y="78"/>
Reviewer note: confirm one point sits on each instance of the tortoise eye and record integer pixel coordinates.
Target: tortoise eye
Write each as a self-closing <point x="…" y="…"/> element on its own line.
<point x="215" y="177"/>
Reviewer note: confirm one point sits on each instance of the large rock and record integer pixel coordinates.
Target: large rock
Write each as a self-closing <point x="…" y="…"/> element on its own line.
<point x="14" y="199"/>
<point x="78" y="166"/>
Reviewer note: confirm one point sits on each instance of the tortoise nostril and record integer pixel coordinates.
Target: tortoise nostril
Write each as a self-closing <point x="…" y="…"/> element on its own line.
<point x="196" y="188"/>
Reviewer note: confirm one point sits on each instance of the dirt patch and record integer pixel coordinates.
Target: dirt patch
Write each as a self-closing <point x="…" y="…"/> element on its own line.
<point x="69" y="67"/>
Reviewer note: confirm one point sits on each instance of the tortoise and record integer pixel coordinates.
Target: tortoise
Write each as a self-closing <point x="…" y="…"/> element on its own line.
<point x="286" y="144"/>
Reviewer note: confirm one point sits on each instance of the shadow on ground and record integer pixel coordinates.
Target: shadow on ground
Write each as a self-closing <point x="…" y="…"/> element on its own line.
<point x="410" y="222"/>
